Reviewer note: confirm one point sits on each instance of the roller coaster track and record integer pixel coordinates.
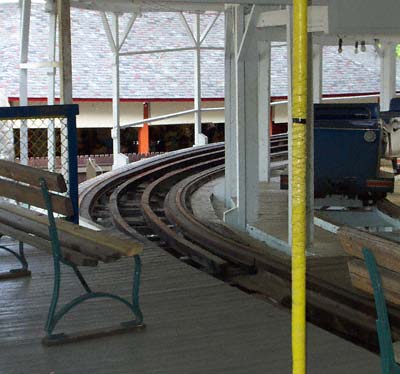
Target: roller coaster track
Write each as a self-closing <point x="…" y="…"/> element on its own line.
<point x="151" y="201"/>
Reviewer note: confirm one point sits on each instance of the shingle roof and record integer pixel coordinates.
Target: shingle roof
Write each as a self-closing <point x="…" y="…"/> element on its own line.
<point x="167" y="75"/>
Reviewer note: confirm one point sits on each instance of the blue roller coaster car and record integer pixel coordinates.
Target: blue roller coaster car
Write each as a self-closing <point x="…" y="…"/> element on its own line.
<point x="349" y="143"/>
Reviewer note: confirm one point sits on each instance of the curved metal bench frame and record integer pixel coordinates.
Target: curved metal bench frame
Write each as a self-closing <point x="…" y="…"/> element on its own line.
<point x="23" y="271"/>
<point x="388" y="363"/>
<point x="55" y="316"/>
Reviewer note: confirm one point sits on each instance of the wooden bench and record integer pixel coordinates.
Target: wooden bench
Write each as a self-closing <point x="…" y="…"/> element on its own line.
<point x="374" y="268"/>
<point x="70" y="244"/>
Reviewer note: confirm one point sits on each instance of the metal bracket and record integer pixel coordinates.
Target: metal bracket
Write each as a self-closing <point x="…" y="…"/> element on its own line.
<point x="19" y="272"/>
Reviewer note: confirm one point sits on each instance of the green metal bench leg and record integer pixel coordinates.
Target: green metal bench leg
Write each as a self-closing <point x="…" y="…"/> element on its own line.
<point x="388" y="363"/>
<point x="55" y="316"/>
<point x="19" y="272"/>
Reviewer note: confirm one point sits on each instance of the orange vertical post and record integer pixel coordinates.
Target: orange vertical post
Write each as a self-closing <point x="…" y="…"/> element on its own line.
<point x="144" y="139"/>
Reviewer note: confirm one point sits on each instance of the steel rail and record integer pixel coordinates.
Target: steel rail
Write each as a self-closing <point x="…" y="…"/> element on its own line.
<point x="90" y="192"/>
<point x="199" y="254"/>
<point x="161" y="182"/>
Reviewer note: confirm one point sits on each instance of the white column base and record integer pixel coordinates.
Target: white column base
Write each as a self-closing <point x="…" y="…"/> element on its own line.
<point x="120" y="160"/>
<point x="201" y="139"/>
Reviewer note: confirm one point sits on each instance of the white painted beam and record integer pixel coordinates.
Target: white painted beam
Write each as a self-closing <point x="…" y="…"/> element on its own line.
<point x="126" y="6"/>
<point x="39" y="65"/>
<point x="208" y="28"/>
<point x="264" y="110"/>
<point x="115" y="132"/>
<point x="51" y="80"/>
<point x="237" y="215"/>
<point x="249" y="33"/>
<point x="25" y="13"/>
<point x="316" y="73"/>
<point x="158" y="118"/>
<point x="388" y="74"/>
<point x="314" y="76"/>
<point x="250" y="171"/>
<point x="109" y="34"/>
<point x="167" y="50"/>
<point x="317" y="18"/>
<point x="153" y="51"/>
<point x="246" y="118"/>
<point x="199" y="138"/>
<point x="230" y="126"/>
<point x="128" y="29"/>
<point x="289" y="35"/>
<point x="187" y="28"/>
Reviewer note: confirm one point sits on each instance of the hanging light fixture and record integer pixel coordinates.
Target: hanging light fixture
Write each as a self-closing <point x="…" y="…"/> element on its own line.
<point x="363" y="46"/>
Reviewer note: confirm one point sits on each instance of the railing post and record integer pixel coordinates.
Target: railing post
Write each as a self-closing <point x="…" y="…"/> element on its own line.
<point x="73" y="163"/>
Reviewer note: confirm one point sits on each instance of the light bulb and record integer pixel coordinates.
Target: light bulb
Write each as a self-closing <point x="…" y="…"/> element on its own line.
<point x="356" y="47"/>
<point x="363" y="46"/>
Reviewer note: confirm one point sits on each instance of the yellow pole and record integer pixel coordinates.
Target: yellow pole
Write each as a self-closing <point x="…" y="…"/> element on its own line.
<point x="299" y="114"/>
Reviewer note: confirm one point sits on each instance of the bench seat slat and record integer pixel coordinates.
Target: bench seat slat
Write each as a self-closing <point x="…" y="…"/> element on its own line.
<point x="386" y="252"/>
<point x="85" y="240"/>
<point x="41" y="243"/>
<point x="33" y="196"/>
<point x="25" y="223"/>
<point x="27" y="174"/>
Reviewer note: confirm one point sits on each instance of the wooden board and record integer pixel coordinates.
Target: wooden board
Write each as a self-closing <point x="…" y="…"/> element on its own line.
<point x="92" y="334"/>
<point x="195" y="324"/>
<point x="386" y="252"/>
<point x="85" y="240"/>
<point x="390" y="280"/>
<point x="41" y="243"/>
<point x="30" y="175"/>
<point x="41" y="229"/>
<point x="389" y="208"/>
<point x="33" y="196"/>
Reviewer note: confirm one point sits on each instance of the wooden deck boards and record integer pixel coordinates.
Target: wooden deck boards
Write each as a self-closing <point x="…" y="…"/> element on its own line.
<point x="273" y="219"/>
<point x="195" y="324"/>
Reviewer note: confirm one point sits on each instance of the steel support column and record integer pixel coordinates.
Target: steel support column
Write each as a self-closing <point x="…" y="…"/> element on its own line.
<point x="115" y="81"/>
<point x="264" y="112"/>
<point x="317" y="73"/>
<point x="246" y="52"/>
<point x="115" y="45"/>
<point x="289" y="43"/>
<point x="314" y="69"/>
<point x="51" y="75"/>
<point x="198" y="138"/>
<point x="236" y="99"/>
<point x="25" y="14"/>
<point x="388" y="74"/>
<point x="230" y="124"/>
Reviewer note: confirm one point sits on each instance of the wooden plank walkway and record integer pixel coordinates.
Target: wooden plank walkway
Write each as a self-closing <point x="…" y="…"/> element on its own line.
<point x="195" y="324"/>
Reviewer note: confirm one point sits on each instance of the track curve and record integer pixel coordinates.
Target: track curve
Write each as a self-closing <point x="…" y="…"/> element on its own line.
<point x="150" y="201"/>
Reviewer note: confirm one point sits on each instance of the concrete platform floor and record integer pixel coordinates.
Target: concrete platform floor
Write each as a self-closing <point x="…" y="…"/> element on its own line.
<point x="273" y="216"/>
<point x="195" y="324"/>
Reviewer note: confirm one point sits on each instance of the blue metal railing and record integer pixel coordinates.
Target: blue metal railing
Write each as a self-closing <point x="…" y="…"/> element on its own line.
<point x="64" y="113"/>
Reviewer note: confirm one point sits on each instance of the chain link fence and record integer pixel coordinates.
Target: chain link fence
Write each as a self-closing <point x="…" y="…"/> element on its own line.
<point x="44" y="137"/>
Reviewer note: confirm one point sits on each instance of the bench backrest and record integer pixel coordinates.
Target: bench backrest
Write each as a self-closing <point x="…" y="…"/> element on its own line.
<point x="23" y="185"/>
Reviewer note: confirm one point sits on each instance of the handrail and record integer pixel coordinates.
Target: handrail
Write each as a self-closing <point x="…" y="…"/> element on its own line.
<point x="167" y="116"/>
